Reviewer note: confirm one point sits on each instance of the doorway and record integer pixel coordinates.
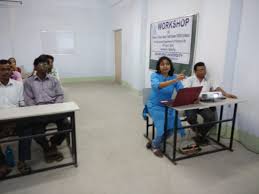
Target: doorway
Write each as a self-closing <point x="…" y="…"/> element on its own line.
<point x="117" y="51"/>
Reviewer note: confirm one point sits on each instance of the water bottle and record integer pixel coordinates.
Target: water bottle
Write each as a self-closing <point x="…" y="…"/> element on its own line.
<point x="9" y="156"/>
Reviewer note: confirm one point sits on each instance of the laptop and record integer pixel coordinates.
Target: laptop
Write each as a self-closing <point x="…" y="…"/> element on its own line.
<point x="184" y="96"/>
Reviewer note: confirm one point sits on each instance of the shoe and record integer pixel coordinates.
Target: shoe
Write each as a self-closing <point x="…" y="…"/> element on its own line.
<point x="157" y="152"/>
<point x="49" y="156"/>
<point x="58" y="156"/>
<point x="149" y="145"/>
<point x="201" y="141"/>
<point x="23" y="168"/>
<point x="52" y="155"/>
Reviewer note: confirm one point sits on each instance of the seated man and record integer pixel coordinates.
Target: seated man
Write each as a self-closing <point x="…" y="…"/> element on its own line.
<point x="16" y="72"/>
<point x="51" y="70"/>
<point x="208" y="114"/>
<point x="11" y="95"/>
<point x="39" y="89"/>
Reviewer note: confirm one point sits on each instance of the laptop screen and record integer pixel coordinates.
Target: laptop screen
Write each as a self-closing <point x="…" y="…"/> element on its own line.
<point x="187" y="96"/>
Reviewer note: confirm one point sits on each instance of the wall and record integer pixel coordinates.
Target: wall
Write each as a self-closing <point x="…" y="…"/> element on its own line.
<point x="5" y="41"/>
<point x="212" y="30"/>
<point x="212" y="37"/>
<point x="89" y="19"/>
<point x="162" y="10"/>
<point x="246" y="73"/>
<point x="130" y="16"/>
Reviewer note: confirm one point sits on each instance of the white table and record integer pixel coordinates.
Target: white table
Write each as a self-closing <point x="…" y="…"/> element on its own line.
<point x="39" y="110"/>
<point x="202" y="105"/>
<point x="24" y="114"/>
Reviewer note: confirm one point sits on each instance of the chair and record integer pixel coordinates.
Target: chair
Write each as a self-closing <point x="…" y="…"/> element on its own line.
<point x="145" y="94"/>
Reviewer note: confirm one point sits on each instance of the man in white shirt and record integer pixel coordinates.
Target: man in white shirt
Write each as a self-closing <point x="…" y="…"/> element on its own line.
<point x="11" y="95"/>
<point x="208" y="114"/>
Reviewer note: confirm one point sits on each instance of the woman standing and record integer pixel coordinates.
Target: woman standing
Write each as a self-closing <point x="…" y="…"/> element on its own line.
<point x="163" y="83"/>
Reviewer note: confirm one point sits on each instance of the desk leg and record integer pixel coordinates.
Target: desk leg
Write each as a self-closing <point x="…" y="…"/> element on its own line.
<point x="147" y="125"/>
<point x="74" y="149"/>
<point x="165" y="129"/>
<point x="233" y="128"/>
<point x="175" y="133"/>
<point x="153" y="130"/>
<point x="220" y="118"/>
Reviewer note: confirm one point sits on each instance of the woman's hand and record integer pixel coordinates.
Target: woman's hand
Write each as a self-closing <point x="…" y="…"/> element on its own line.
<point x="180" y="77"/>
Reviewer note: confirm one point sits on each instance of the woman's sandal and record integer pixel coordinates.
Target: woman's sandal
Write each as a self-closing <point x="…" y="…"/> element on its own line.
<point x="157" y="152"/>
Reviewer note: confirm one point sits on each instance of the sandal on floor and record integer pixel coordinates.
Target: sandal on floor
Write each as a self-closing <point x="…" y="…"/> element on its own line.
<point x="157" y="152"/>
<point x="23" y="168"/>
<point x="4" y="171"/>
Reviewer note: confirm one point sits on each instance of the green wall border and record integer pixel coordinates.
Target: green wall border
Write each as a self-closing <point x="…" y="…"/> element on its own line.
<point x="86" y="79"/>
<point x="129" y="86"/>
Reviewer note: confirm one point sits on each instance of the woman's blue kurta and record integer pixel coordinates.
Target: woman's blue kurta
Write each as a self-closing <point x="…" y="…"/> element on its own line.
<point x="157" y="110"/>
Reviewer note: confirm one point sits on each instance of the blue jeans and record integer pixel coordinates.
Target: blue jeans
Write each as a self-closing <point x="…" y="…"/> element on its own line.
<point x="158" y="116"/>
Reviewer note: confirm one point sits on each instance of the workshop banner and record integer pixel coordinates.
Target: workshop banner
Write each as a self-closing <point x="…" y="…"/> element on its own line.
<point x="173" y="38"/>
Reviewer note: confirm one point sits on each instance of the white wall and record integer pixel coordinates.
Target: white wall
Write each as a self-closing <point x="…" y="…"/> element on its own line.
<point x="246" y="72"/>
<point x="232" y="43"/>
<point x="130" y="17"/>
<point x="5" y="41"/>
<point x="212" y="29"/>
<point x="211" y="44"/>
<point x="90" y="20"/>
<point x="166" y="9"/>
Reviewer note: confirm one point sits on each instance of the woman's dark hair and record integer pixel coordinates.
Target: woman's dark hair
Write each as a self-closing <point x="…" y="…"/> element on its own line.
<point x="199" y="64"/>
<point x="171" y="72"/>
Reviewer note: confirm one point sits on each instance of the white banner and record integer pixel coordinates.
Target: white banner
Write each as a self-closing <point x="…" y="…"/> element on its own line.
<point x="172" y="38"/>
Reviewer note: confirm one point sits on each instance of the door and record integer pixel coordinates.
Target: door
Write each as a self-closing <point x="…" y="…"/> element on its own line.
<point x="117" y="47"/>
